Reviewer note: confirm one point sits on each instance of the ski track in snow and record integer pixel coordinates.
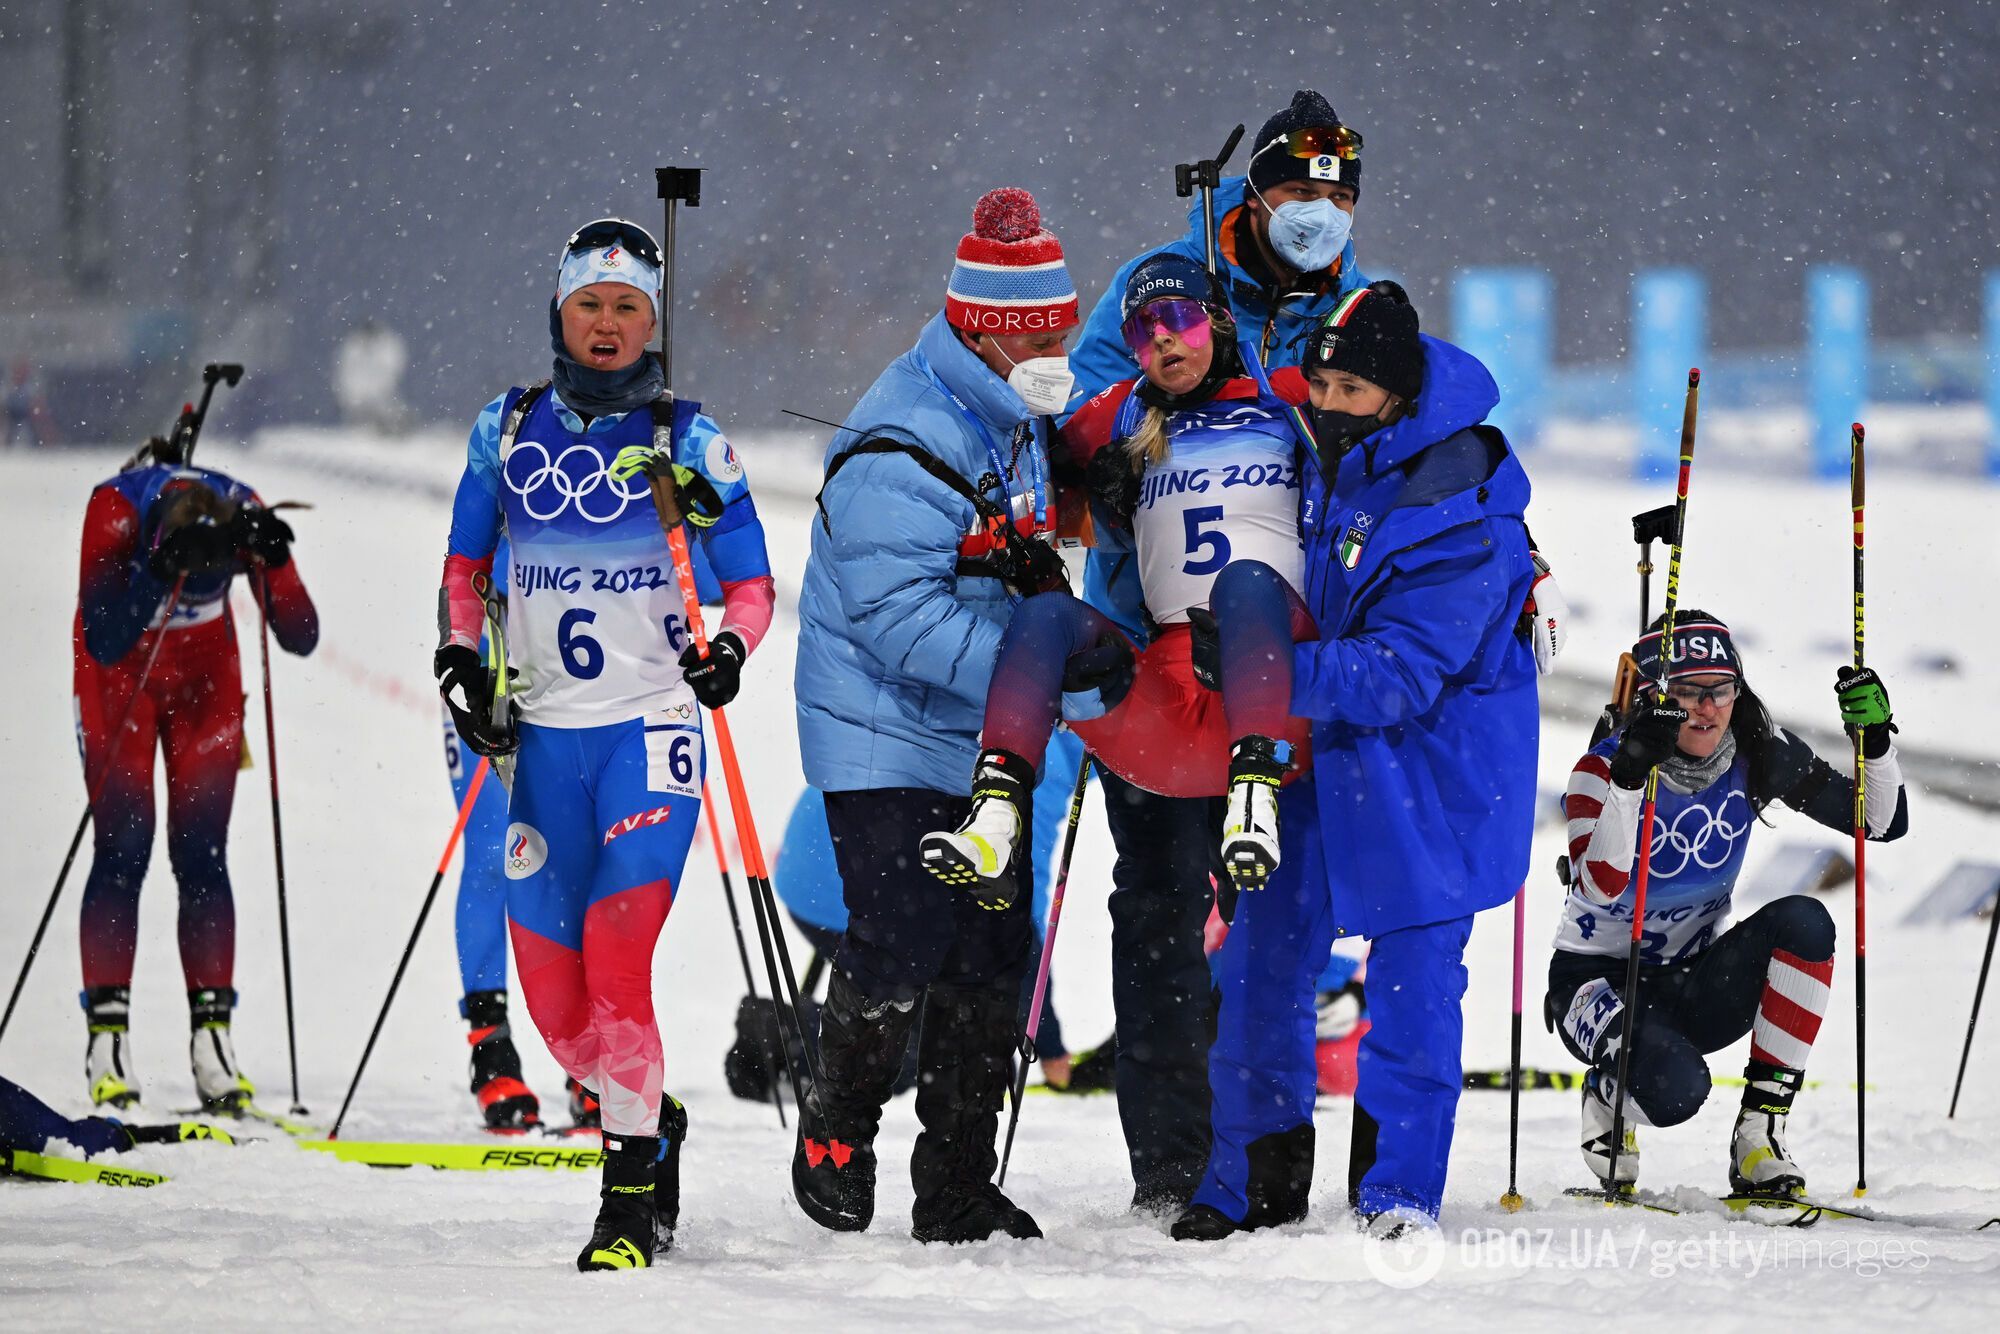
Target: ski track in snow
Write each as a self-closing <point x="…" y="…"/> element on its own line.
<point x="268" y="1234"/>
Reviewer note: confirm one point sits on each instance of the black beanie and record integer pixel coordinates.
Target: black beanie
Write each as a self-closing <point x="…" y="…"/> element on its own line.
<point x="1372" y="334"/>
<point x="1308" y="111"/>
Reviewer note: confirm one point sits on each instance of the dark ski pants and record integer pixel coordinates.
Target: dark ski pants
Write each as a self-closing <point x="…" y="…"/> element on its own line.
<point x="1687" y="1009"/>
<point x="906" y="928"/>
<point x="1161" y="988"/>
<point x="28" y="1123"/>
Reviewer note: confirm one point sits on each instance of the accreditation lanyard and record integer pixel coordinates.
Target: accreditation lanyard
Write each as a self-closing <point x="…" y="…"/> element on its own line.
<point x="1006" y="469"/>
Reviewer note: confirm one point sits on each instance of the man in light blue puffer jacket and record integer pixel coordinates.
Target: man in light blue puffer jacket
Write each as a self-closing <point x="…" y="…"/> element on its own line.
<point x="932" y="517"/>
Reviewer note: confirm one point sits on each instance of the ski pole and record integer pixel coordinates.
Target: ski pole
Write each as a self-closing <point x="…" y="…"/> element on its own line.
<point x="90" y="803"/>
<point x="1978" y="995"/>
<point x="1646" y="811"/>
<point x="736" y="925"/>
<point x="263" y="594"/>
<point x="444" y="863"/>
<point x="677" y="184"/>
<point x="1034" y="1025"/>
<point x="1855" y="479"/>
<point x="1512" y="1201"/>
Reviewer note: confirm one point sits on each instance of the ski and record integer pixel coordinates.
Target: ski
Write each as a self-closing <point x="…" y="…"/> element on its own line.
<point x="1535" y="1078"/>
<point x="1767" y="1210"/>
<point x="53" y="1167"/>
<point x="250" y="1111"/>
<point x="460" y="1157"/>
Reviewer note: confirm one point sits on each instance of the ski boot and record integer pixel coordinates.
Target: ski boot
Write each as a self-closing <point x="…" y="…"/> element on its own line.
<point x="1596" y="1135"/>
<point x="667" y="1173"/>
<point x="1250" y="830"/>
<point x="628" y="1213"/>
<point x="584" y="1113"/>
<point x="107" y="1059"/>
<point x="506" y="1102"/>
<point x="221" y="1085"/>
<point x="862" y="1044"/>
<point x="980" y="852"/>
<point x="1758" y="1162"/>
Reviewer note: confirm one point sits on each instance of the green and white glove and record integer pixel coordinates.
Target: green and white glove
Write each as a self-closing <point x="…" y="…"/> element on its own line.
<point x="1864" y="709"/>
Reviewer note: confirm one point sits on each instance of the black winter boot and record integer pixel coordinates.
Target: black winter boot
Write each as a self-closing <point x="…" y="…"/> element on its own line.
<point x="628" y="1216"/>
<point x="1278" y="1186"/>
<point x="505" y="1101"/>
<point x="861" y="1046"/>
<point x="961" y="1084"/>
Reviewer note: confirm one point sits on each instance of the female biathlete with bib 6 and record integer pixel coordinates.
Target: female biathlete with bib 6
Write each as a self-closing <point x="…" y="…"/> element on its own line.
<point x="607" y="765"/>
<point x="1722" y="761"/>
<point x="1199" y="466"/>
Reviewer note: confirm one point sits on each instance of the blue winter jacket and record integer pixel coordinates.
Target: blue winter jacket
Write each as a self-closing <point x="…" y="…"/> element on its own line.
<point x="1422" y="695"/>
<point x="1100" y="358"/>
<point x="895" y="647"/>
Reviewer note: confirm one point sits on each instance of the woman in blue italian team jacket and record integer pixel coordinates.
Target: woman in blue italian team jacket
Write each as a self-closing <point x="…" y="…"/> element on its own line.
<point x="1419" y="809"/>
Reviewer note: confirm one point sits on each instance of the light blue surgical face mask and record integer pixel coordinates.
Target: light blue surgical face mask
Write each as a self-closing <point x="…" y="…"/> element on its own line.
<point x="1308" y="234"/>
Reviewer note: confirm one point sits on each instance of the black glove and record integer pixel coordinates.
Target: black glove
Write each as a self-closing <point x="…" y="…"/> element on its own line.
<point x="1205" y="648"/>
<point x="264" y="535"/>
<point x="460" y="668"/>
<point x="716" y="678"/>
<point x="197" y="547"/>
<point x="1864" y="706"/>
<point x="1651" y="731"/>
<point x="1107" y="667"/>
<point x="1036" y="567"/>
<point x="1113" y="485"/>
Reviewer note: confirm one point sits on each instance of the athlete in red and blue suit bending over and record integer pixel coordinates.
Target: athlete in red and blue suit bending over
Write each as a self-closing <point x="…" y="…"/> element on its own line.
<point x="607" y="780"/>
<point x="152" y="523"/>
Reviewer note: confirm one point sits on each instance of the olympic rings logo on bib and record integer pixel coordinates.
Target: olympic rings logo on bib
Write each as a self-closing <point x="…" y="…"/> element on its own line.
<point x="579" y="475"/>
<point x="1707" y="844"/>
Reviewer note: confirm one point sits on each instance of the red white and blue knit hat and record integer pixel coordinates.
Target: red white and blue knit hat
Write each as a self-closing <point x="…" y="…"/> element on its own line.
<point x="1702" y="647"/>
<point x="1009" y="278"/>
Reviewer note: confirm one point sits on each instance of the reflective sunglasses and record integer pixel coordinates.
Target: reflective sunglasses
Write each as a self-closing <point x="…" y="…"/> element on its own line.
<point x="615" y="231"/>
<point x="1186" y="320"/>
<point x="1329" y="140"/>
<point x="1692" y="696"/>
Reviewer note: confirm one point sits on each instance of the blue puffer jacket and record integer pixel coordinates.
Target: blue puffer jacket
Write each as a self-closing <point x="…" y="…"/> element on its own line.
<point x="895" y="648"/>
<point x="1100" y="358"/>
<point x="1422" y="695"/>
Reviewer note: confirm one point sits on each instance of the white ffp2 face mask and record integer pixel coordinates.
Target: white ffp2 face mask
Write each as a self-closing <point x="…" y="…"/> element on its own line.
<point x="1309" y="234"/>
<point x="1044" y="383"/>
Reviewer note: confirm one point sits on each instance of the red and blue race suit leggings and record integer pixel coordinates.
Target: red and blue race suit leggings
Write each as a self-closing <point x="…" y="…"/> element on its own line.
<point x="599" y="825"/>
<point x="192" y="709"/>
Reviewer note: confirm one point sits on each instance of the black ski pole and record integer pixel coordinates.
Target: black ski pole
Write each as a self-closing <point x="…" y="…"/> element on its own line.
<point x="90" y="803"/>
<point x="736" y="926"/>
<point x="1855" y="481"/>
<point x="1033" y="1029"/>
<point x="1512" y="1201"/>
<point x="1978" y="995"/>
<point x="430" y="896"/>
<point x="1645" y="852"/>
<point x="262" y="594"/>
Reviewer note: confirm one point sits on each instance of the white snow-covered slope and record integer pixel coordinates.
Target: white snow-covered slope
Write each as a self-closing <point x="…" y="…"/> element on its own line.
<point x="267" y="1235"/>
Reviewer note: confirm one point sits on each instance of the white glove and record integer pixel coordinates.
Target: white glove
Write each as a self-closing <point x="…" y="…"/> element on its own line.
<point x="1546" y="616"/>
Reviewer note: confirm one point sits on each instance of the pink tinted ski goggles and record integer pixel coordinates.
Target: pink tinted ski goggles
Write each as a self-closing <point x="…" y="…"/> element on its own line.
<point x="1184" y="319"/>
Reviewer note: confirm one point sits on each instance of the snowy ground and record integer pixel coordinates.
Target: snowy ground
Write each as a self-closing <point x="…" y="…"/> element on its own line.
<point x="267" y="1234"/>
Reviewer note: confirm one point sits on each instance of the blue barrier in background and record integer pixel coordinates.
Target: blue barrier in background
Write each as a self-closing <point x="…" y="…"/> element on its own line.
<point x="1669" y="336"/>
<point x="1506" y="318"/>
<point x="1836" y="362"/>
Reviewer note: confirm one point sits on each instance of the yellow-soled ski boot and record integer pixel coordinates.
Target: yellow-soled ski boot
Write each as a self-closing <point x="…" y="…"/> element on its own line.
<point x="107" y="1059"/>
<point x="628" y="1211"/>
<point x="221" y="1085"/>
<point x="1758" y="1161"/>
<point x="979" y="853"/>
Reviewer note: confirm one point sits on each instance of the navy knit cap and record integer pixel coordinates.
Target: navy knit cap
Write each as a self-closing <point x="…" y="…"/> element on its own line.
<point x="1170" y="275"/>
<point x="1702" y="647"/>
<point x="1372" y="334"/>
<point x="1308" y="111"/>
